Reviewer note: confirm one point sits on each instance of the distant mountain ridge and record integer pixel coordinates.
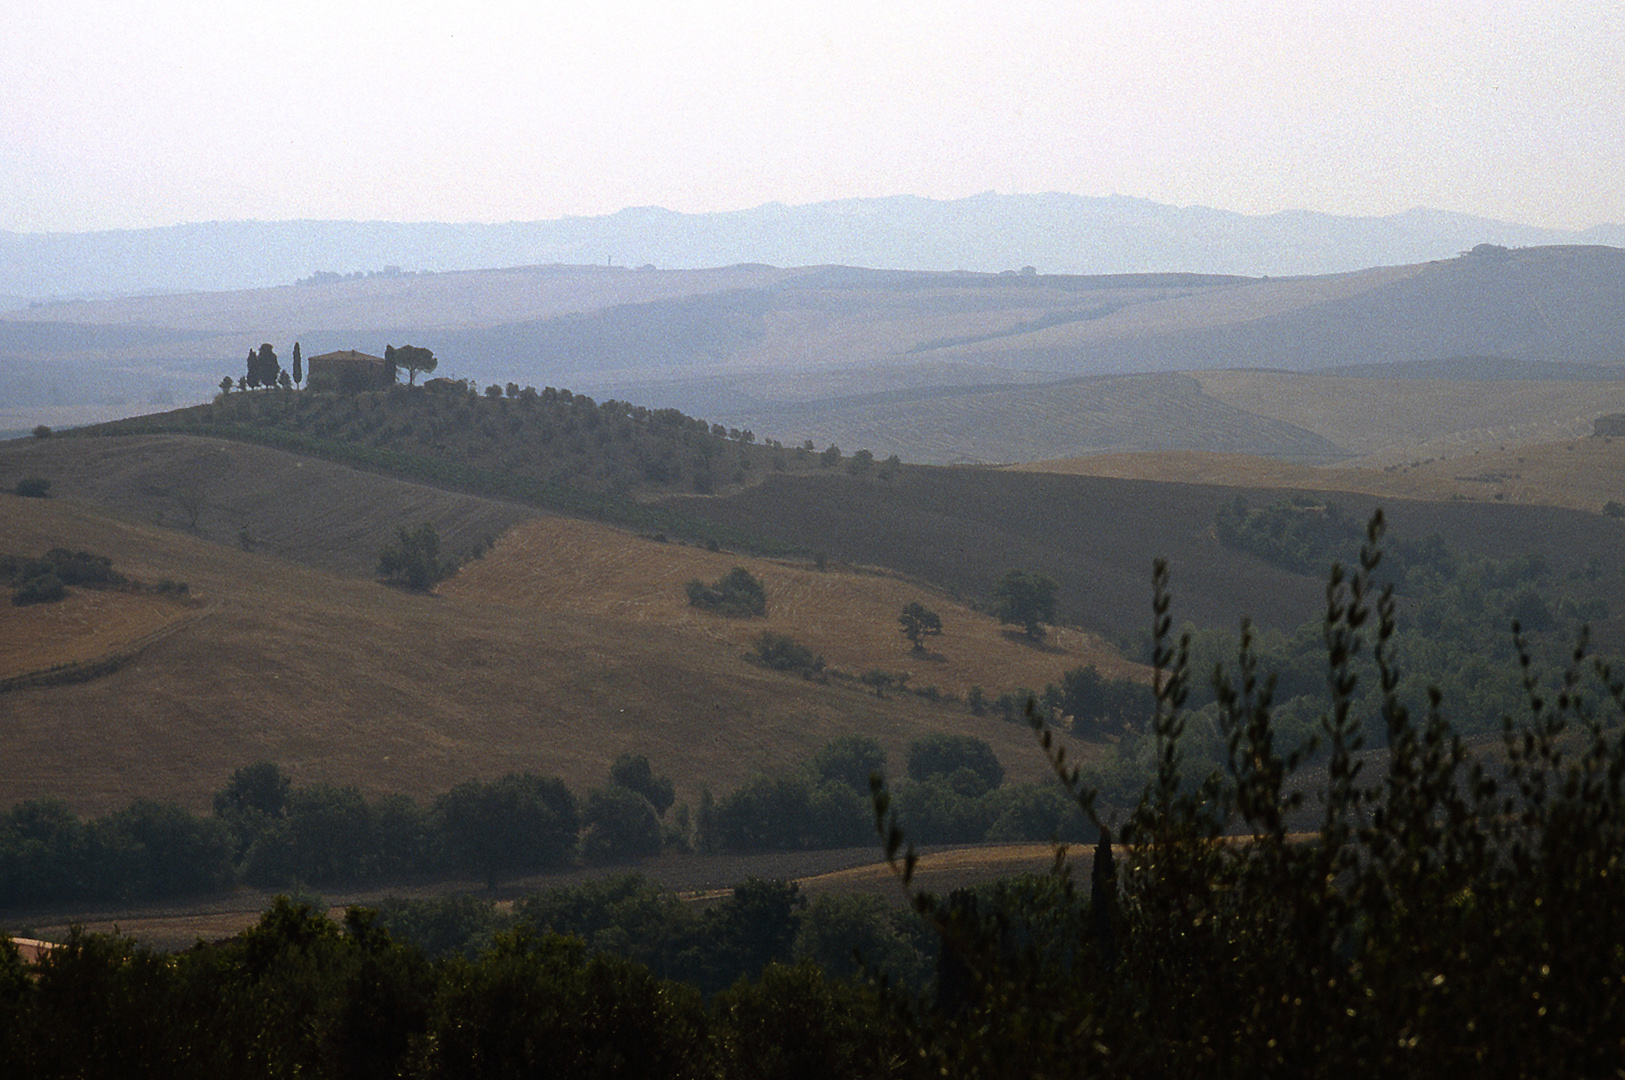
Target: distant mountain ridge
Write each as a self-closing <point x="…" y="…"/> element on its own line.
<point x="1056" y="233"/>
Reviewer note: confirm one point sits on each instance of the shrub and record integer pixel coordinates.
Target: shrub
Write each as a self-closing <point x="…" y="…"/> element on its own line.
<point x="783" y="653"/>
<point x="619" y="823"/>
<point x="45" y="589"/>
<point x="632" y="771"/>
<point x="1613" y="509"/>
<point x="83" y="568"/>
<point x="33" y="487"/>
<point x="771" y="812"/>
<point x="413" y="561"/>
<point x="736" y="593"/>
<point x="1025" y="599"/>
<point x="43" y="431"/>
<point x="943" y="754"/>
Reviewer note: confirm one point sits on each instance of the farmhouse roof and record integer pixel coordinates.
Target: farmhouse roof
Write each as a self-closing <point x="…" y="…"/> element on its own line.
<point x="32" y="950"/>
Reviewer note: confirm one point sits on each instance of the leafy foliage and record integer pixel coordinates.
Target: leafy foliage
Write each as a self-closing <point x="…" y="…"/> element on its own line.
<point x="1026" y="599"/>
<point x="414" y="358"/>
<point x="633" y="772"/>
<point x="943" y="754"/>
<point x="919" y="622"/>
<point x="33" y="487"/>
<point x="737" y="593"/>
<point x="618" y="823"/>
<point x="851" y="760"/>
<point x="783" y="653"/>
<point x="45" y="579"/>
<point x="1437" y="919"/>
<point x="413" y="561"/>
<point x="518" y="823"/>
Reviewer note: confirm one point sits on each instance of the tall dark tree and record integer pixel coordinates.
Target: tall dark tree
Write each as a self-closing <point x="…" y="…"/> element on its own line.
<point x="632" y="771"/>
<point x="252" y="378"/>
<point x="298" y="365"/>
<point x="518" y="823"/>
<point x="264" y="366"/>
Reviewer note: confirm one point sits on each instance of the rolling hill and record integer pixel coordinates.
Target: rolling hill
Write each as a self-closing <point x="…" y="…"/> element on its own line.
<point x="1097" y="536"/>
<point x="908" y="362"/>
<point x="568" y="644"/>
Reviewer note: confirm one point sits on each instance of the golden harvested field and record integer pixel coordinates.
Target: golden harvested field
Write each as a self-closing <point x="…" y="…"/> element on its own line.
<point x="343" y="680"/>
<point x="1581" y="473"/>
<point x="88" y="625"/>
<point x="1395" y="421"/>
<point x="848" y="616"/>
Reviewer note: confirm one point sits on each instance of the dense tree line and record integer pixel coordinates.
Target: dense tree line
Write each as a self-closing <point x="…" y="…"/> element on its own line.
<point x="269" y="833"/>
<point x="954" y="792"/>
<point x="1452" y="615"/>
<point x="299" y="994"/>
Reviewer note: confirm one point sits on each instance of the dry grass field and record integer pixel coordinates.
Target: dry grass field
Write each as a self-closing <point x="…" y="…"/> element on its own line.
<point x="849" y="616"/>
<point x="343" y="680"/>
<point x="301" y="509"/>
<point x="1581" y="473"/>
<point x="1394" y="421"/>
<point x="87" y="626"/>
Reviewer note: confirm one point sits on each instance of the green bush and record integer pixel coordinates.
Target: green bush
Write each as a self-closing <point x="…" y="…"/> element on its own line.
<point x="783" y="653"/>
<point x="413" y="561"/>
<point x="736" y="593"/>
<point x="44" y="589"/>
<point x="618" y="823"/>
<point x="33" y="487"/>
<point x="851" y="760"/>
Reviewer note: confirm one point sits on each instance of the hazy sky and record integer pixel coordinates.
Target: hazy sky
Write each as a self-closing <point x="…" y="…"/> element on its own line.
<point x="129" y="113"/>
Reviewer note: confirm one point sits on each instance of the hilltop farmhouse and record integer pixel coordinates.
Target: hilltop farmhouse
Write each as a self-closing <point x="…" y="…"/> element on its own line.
<point x="351" y="371"/>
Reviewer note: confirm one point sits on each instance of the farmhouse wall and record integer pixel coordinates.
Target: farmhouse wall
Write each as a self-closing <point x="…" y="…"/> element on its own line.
<point x="352" y="370"/>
